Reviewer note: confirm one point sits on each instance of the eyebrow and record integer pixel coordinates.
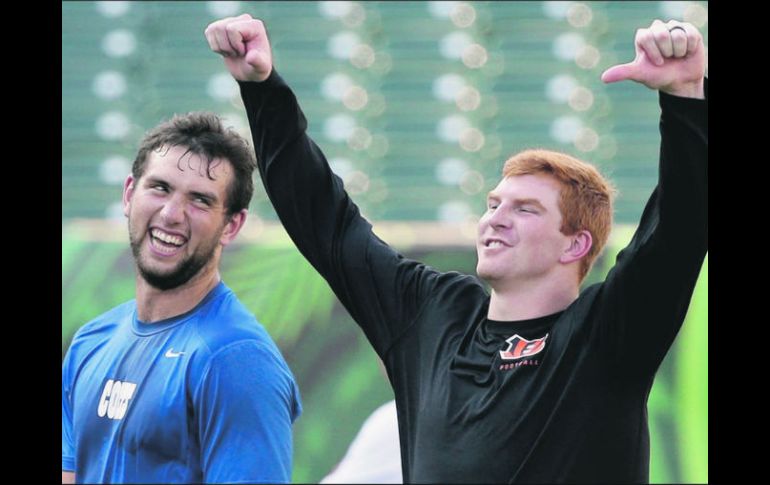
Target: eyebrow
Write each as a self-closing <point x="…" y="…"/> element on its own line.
<point x="517" y="201"/>
<point x="534" y="202"/>
<point x="195" y="193"/>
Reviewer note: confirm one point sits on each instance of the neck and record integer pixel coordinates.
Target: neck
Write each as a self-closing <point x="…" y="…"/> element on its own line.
<point x="530" y="300"/>
<point x="154" y="305"/>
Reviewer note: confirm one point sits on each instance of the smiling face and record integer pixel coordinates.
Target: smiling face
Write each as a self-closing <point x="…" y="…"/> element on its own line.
<point x="519" y="237"/>
<point x="176" y="216"/>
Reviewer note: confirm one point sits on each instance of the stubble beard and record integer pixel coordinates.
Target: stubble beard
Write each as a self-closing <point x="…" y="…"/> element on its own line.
<point x="183" y="272"/>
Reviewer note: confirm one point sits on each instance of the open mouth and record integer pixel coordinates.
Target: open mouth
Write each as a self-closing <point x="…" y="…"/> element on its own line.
<point x="164" y="242"/>
<point x="494" y="243"/>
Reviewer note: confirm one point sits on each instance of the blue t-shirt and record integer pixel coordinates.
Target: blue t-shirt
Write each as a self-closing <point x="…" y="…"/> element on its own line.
<point x="202" y="397"/>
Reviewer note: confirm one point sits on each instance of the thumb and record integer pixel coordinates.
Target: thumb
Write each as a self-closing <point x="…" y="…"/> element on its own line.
<point x="258" y="59"/>
<point x="621" y="72"/>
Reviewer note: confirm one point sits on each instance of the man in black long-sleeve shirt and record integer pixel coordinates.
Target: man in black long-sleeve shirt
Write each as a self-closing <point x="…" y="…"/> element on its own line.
<point x="535" y="381"/>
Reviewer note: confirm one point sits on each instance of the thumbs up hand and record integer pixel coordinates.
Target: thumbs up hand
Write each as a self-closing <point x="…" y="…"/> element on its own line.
<point x="670" y="57"/>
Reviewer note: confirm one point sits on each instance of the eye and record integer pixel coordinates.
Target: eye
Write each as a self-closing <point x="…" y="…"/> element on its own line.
<point x="159" y="187"/>
<point x="201" y="200"/>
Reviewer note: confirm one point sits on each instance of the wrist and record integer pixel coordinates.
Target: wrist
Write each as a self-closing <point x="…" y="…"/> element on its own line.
<point x="686" y="90"/>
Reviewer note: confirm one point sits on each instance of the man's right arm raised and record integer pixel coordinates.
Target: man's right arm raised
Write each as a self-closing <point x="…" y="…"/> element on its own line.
<point x="381" y="289"/>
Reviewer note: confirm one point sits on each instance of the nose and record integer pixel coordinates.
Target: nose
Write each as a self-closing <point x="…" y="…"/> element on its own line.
<point x="499" y="219"/>
<point x="173" y="211"/>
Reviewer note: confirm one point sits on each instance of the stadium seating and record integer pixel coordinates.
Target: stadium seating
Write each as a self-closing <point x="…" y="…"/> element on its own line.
<point x="379" y="82"/>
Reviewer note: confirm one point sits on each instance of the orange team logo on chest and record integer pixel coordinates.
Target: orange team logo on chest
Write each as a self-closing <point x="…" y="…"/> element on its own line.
<point x="519" y="347"/>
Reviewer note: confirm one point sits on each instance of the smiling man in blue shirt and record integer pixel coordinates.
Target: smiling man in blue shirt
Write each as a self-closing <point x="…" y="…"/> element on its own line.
<point x="181" y="384"/>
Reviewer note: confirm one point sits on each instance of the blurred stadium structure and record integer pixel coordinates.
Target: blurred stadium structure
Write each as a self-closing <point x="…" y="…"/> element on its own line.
<point x="416" y="105"/>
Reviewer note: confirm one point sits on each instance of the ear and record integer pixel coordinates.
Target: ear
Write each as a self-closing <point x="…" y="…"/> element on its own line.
<point x="233" y="227"/>
<point x="579" y="245"/>
<point x="128" y="191"/>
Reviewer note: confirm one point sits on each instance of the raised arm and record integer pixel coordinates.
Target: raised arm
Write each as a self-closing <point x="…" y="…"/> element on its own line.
<point x="645" y="297"/>
<point x="381" y="289"/>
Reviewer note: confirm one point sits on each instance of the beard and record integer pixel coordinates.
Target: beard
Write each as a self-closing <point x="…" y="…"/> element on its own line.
<point x="177" y="276"/>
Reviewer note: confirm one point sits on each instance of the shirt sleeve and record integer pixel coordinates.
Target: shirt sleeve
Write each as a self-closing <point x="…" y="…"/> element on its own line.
<point x="382" y="290"/>
<point x="244" y="407"/>
<point x="645" y="297"/>
<point x="67" y="436"/>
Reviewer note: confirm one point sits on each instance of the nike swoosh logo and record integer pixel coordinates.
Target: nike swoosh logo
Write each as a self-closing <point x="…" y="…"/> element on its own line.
<point x="170" y="353"/>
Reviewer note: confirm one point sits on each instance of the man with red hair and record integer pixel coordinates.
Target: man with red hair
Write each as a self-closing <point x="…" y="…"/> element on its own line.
<point x="533" y="381"/>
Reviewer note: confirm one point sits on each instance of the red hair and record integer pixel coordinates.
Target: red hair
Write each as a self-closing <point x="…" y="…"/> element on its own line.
<point x="585" y="198"/>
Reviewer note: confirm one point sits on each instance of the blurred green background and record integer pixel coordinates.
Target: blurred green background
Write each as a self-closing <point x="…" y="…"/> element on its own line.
<point x="416" y="105"/>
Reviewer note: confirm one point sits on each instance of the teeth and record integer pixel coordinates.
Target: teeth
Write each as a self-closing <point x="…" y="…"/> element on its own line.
<point x="495" y="244"/>
<point x="167" y="238"/>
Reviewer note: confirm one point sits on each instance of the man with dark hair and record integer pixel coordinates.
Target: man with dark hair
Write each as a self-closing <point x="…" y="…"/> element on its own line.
<point x="181" y="384"/>
<point x="534" y="381"/>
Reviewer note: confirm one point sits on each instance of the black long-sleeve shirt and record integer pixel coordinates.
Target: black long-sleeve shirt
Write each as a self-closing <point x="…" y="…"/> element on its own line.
<point x="561" y="398"/>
